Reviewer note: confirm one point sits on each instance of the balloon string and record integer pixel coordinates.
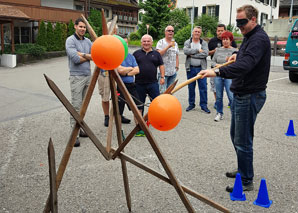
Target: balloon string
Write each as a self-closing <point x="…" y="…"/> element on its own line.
<point x="140" y="102"/>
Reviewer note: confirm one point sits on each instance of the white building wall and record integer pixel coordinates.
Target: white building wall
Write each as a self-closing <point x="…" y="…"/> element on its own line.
<point x="65" y="4"/>
<point x="224" y="8"/>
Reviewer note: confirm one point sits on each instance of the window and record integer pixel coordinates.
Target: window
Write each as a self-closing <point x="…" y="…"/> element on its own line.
<point x="79" y="7"/>
<point x="211" y="10"/>
<point x="264" y="18"/>
<point x="189" y="10"/>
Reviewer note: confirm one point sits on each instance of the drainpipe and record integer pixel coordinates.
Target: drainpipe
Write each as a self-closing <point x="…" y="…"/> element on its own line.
<point x="291" y="12"/>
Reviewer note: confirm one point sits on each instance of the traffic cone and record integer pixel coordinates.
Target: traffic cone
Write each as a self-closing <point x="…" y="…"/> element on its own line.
<point x="263" y="198"/>
<point x="237" y="194"/>
<point x="290" y="131"/>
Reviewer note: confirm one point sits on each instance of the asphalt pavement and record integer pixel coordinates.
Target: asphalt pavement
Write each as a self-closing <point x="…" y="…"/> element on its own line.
<point x="198" y="150"/>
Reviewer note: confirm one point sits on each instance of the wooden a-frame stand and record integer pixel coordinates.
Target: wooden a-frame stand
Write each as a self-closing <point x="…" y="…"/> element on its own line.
<point x="108" y="152"/>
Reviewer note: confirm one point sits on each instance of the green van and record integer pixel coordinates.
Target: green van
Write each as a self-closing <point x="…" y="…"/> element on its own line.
<point x="291" y="54"/>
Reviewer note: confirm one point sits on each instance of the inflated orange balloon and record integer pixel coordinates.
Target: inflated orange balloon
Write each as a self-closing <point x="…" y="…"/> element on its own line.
<point x="107" y="52"/>
<point x="165" y="112"/>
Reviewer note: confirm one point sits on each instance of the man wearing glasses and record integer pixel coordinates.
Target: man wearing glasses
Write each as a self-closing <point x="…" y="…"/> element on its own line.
<point x="169" y="51"/>
<point x="196" y="51"/>
<point x="250" y="75"/>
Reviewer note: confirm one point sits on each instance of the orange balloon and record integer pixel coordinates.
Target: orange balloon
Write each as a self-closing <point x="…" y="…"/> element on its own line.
<point x="165" y="112"/>
<point x="107" y="52"/>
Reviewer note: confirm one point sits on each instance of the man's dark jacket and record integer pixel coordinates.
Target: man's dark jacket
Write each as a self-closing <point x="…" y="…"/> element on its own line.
<point x="250" y="72"/>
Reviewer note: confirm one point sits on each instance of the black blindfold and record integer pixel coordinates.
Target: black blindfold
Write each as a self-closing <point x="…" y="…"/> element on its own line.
<point x="241" y="22"/>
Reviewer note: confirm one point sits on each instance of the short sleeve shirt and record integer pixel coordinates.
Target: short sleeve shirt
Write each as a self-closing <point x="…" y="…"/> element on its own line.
<point x="129" y="61"/>
<point x="169" y="58"/>
<point x="148" y="64"/>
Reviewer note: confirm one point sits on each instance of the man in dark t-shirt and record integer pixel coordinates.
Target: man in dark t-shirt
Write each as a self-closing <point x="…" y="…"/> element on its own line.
<point x="148" y="60"/>
<point x="216" y="41"/>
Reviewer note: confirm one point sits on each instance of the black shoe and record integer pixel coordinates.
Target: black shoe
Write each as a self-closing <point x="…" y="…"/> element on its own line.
<point x="125" y="120"/>
<point x="83" y="134"/>
<point x="206" y="110"/>
<point x="106" y="122"/>
<point x="77" y="143"/>
<point x="190" y="107"/>
<point x="232" y="174"/>
<point x="248" y="187"/>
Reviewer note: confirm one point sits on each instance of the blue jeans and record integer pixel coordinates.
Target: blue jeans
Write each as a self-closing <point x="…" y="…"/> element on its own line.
<point x="244" y="113"/>
<point x="168" y="81"/>
<point x="143" y="90"/>
<point x="220" y="84"/>
<point x="192" y="86"/>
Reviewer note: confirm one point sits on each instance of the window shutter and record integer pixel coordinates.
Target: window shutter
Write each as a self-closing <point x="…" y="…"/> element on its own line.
<point x="204" y="10"/>
<point x="196" y="12"/>
<point x="217" y="10"/>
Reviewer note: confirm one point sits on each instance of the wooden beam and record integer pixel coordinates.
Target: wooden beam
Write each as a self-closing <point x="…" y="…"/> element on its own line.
<point x="2" y="39"/>
<point x="52" y="172"/>
<point x="12" y="36"/>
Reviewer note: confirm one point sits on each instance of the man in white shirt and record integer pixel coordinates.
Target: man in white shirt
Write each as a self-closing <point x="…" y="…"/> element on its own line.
<point x="169" y="51"/>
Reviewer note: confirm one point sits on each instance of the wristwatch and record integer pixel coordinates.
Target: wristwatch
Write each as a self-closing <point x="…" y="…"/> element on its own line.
<point x="217" y="72"/>
<point x="162" y="77"/>
<point x="84" y="55"/>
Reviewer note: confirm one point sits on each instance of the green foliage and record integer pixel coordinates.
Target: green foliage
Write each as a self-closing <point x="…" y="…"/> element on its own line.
<point x="70" y="28"/>
<point x="157" y="13"/>
<point x="32" y="49"/>
<point x="182" y="35"/>
<point x="135" y="36"/>
<point x="208" y="23"/>
<point x="64" y="35"/>
<point x="94" y="20"/>
<point x="50" y="37"/>
<point x="36" y="50"/>
<point x="42" y="35"/>
<point x="58" y="39"/>
<point x="178" y="19"/>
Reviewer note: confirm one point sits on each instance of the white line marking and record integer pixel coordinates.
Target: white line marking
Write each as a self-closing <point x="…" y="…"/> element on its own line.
<point x="12" y="143"/>
<point x="283" y="92"/>
<point x="277" y="79"/>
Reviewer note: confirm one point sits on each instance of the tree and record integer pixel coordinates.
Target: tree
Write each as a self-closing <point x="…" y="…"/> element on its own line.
<point x="178" y="19"/>
<point x="58" y="39"/>
<point x="157" y="13"/>
<point x="182" y="35"/>
<point x="94" y="20"/>
<point x="50" y="37"/>
<point x="70" y="28"/>
<point x="64" y="35"/>
<point x="42" y="35"/>
<point x="208" y="24"/>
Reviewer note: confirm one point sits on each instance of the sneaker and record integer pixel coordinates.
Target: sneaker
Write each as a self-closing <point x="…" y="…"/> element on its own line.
<point x="106" y="121"/>
<point x="232" y="174"/>
<point x="206" y="110"/>
<point x="218" y="117"/>
<point x="190" y="107"/>
<point x="125" y="120"/>
<point x="83" y="134"/>
<point x="140" y="134"/>
<point x="77" y="143"/>
<point x="248" y="187"/>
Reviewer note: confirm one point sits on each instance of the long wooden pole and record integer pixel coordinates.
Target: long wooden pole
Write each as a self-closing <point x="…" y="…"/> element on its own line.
<point x="75" y="131"/>
<point x="198" y="77"/>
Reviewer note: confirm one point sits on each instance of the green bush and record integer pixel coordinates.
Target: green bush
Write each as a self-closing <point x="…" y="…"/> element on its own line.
<point x="32" y="49"/>
<point x="70" y="28"/>
<point x="36" y="50"/>
<point x="182" y="35"/>
<point x="134" y="36"/>
<point x="42" y="34"/>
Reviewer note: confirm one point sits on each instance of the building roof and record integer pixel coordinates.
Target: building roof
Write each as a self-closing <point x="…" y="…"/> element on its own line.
<point x="9" y="13"/>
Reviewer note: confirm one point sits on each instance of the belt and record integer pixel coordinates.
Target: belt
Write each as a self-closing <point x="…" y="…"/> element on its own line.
<point x="195" y="66"/>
